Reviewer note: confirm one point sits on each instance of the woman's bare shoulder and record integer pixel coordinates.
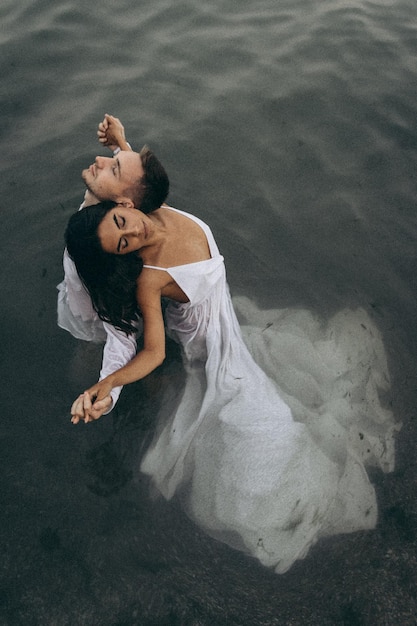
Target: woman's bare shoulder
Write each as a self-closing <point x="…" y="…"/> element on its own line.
<point x="151" y="278"/>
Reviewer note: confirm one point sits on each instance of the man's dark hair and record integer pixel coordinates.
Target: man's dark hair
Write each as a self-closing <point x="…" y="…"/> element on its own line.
<point x="151" y="190"/>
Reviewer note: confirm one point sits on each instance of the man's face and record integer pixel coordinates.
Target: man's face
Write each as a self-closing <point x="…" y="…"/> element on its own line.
<point x="108" y="178"/>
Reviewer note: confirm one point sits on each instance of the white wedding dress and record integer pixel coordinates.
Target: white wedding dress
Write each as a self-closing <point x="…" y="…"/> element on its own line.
<point x="268" y="443"/>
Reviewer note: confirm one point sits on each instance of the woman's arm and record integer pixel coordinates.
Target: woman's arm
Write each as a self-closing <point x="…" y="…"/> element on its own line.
<point x="148" y="359"/>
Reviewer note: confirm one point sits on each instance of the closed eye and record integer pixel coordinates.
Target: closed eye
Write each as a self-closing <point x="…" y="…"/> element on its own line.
<point x="120" y="222"/>
<point x="116" y="168"/>
<point x="123" y="243"/>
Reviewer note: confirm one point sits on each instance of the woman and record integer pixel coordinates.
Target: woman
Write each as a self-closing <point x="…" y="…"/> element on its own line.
<point x="267" y="459"/>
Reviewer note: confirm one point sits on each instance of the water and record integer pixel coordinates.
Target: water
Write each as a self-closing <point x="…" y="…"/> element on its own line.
<point x="290" y="128"/>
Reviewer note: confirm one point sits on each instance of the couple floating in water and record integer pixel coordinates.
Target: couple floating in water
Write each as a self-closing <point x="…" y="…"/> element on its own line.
<point x="267" y="444"/>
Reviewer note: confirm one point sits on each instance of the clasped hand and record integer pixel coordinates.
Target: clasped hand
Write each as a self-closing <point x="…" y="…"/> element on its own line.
<point x="91" y="404"/>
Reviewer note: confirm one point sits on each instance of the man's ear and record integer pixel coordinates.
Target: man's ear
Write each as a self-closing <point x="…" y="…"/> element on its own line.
<point x="125" y="202"/>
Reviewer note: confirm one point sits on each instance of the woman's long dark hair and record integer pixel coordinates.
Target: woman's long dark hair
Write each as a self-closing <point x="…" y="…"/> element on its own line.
<point x="109" y="279"/>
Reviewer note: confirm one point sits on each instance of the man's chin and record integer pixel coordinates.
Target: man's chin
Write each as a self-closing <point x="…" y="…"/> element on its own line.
<point x="93" y="196"/>
<point x="86" y="179"/>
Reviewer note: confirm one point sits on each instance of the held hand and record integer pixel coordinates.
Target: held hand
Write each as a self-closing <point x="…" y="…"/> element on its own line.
<point x="91" y="404"/>
<point x="111" y="133"/>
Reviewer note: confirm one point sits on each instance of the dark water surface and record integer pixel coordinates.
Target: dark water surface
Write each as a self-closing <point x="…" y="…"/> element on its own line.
<point x="290" y="127"/>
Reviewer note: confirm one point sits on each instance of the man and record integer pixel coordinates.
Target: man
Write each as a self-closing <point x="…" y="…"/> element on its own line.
<point x="133" y="180"/>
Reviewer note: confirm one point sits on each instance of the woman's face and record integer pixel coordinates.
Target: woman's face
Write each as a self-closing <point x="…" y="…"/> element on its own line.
<point x="123" y="230"/>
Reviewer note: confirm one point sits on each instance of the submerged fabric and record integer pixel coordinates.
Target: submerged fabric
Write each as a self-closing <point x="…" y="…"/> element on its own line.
<point x="268" y="443"/>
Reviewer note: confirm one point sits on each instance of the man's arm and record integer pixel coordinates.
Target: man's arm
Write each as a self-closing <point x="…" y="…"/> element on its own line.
<point x="119" y="350"/>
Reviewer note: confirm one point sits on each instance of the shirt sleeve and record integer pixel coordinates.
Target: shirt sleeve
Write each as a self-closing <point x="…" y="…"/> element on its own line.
<point x="118" y="350"/>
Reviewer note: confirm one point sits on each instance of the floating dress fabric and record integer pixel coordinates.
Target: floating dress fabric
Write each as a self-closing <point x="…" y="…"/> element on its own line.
<point x="267" y="445"/>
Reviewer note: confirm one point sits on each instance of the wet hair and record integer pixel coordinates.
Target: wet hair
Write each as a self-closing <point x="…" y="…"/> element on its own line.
<point x="151" y="190"/>
<point x="109" y="279"/>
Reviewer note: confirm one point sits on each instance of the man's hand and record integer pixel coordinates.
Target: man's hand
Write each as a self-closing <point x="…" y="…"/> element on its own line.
<point x="91" y="404"/>
<point x="111" y="133"/>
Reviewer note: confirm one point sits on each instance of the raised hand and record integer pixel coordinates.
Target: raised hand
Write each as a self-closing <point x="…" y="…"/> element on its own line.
<point x="111" y="133"/>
